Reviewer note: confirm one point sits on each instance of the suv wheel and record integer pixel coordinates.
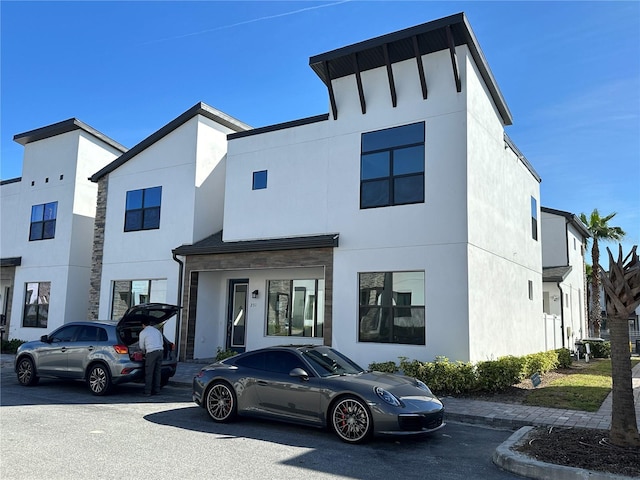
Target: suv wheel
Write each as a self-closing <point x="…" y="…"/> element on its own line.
<point x="26" y="372"/>
<point x="99" y="379"/>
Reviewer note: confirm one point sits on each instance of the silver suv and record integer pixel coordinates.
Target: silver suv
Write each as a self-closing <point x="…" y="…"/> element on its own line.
<point x="103" y="354"/>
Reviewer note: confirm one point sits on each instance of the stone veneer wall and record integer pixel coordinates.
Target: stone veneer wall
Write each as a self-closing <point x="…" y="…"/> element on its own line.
<point x="248" y="261"/>
<point x="98" y="249"/>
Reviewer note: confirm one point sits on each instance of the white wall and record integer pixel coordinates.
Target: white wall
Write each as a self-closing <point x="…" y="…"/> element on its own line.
<point x="55" y="169"/>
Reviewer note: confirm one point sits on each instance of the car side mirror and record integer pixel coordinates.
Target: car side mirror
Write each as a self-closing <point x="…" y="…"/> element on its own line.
<point x="45" y="339"/>
<point x="300" y="373"/>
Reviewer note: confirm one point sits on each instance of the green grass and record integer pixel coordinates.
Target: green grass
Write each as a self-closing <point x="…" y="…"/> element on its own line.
<point x="584" y="390"/>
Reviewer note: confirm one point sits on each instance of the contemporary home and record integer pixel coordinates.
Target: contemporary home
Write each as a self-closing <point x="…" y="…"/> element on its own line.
<point x="405" y="222"/>
<point x="563" y="273"/>
<point x="47" y="223"/>
<point x="165" y="191"/>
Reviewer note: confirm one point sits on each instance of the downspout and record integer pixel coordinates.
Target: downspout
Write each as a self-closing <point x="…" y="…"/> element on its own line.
<point x="561" y="312"/>
<point x="179" y="303"/>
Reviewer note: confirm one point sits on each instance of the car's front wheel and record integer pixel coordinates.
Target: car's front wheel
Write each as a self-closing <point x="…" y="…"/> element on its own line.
<point x="26" y="372"/>
<point x="351" y="420"/>
<point x="99" y="379"/>
<point x="220" y="402"/>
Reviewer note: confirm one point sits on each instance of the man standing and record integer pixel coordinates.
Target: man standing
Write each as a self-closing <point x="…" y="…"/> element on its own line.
<point x="152" y="345"/>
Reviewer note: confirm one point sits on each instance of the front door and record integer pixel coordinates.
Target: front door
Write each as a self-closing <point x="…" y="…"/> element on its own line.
<point x="237" y="316"/>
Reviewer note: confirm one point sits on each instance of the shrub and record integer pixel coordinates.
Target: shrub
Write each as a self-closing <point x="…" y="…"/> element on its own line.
<point x="541" y="362"/>
<point x="599" y="349"/>
<point x="222" y="354"/>
<point x="387" y="367"/>
<point x="444" y="377"/>
<point x="10" y="346"/>
<point x="564" y="358"/>
<point x="497" y="375"/>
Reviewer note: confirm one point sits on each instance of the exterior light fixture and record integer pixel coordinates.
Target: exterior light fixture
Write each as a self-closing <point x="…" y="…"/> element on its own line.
<point x="254" y="294"/>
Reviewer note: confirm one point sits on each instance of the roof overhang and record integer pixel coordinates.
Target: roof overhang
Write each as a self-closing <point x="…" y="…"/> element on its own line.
<point x="556" y="274"/>
<point x="442" y="34"/>
<point x="65" y="126"/>
<point x="10" y="262"/>
<point x="215" y="245"/>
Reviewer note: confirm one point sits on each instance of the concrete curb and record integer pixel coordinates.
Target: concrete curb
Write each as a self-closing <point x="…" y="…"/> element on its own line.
<point x="512" y="461"/>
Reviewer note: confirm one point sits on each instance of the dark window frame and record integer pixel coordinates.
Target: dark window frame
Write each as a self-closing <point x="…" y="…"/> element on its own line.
<point x="36" y="315"/>
<point x="43" y="221"/>
<point x="260" y="180"/>
<point x="143" y="216"/>
<point x="534" y="218"/>
<point x="392" y="143"/>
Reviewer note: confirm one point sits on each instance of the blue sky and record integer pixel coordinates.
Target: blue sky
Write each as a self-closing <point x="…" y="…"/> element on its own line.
<point x="569" y="71"/>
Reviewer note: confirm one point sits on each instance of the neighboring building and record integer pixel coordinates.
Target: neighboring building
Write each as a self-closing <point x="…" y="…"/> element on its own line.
<point x="564" y="288"/>
<point x="46" y="225"/>
<point x="405" y="223"/>
<point x="165" y="191"/>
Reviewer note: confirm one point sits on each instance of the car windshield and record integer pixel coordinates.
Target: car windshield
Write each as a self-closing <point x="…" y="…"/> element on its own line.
<point x="327" y="362"/>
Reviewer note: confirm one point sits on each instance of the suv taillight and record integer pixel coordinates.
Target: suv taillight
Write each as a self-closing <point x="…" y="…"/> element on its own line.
<point x="121" y="349"/>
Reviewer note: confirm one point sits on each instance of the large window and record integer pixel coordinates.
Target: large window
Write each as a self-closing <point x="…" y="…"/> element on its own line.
<point x="127" y="293"/>
<point x="36" y="308"/>
<point x="392" y="307"/>
<point x="143" y="209"/>
<point x="43" y="221"/>
<point x="392" y="166"/>
<point x="296" y="308"/>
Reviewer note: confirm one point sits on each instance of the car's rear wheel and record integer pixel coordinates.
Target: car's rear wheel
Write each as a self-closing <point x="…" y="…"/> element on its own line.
<point x="351" y="420"/>
<point x="99" y="379"/>
<point x="220" y="402"/>
<point x="26" y="372"/>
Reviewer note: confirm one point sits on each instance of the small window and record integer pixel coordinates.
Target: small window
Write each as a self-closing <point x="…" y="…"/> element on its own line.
<point x="43" y="221"/>
<point x="530" y="290"/>
<point x="143" y="209"/>
<point x="260" y="180"/>
<point x="36" y="308"/>
<point x="534" y="218"/>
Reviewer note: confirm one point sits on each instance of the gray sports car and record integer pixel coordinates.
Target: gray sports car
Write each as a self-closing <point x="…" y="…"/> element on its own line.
<point x="316" y="385"/>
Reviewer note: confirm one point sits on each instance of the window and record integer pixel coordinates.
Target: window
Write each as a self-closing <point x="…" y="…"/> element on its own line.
<point x="392" y="307"/>
<point x="534" y="218"/>
<point x="43" y="221"/>
<point x="392" y="166"/>
<point x="90" y="333"/>
<point x="530" y="290"/>
<point x="36" y="308"/>
<point x="127" y="293"/>
<point x="259" y="180"/>
<point x="295" y="308"/>
<point x="143" y="209"/>
<point x="65" y="334"/>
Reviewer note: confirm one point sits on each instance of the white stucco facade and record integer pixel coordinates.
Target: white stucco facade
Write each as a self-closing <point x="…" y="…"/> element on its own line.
<point x="57" y="163"/>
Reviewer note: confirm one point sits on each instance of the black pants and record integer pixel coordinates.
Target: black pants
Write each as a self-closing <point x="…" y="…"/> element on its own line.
<point x="152" y="371"/>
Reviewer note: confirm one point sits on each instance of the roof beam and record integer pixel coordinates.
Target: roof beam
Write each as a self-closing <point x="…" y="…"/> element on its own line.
<point x="332" y="97"/>
<point x="392" y="85"/>
<point x="454" y="58"/>
<point x="356" y="68"/>
<point x="423" y="81"/>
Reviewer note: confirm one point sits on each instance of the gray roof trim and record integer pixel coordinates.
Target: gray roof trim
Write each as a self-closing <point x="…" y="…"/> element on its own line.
<point x="198" y="109"/>
<point x="64" y="127"/>
<point x="431" y="37"/>
<point x="572" y="218"/>
<point x="280" y="126"/>
<point x="522" y="158"/>
<point x="10" y="180"/>
<point x="10" y="262"/>
<point x="214" y="244"/>
<point x="555" y="274"/>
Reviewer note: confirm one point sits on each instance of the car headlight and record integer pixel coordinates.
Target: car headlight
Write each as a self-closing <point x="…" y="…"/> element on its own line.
<point x="423" y="386"/>
<point x="387" y="397"/>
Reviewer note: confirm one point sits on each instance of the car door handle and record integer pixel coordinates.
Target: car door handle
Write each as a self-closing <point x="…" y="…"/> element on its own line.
<point x="90" y="348"/>
<point x="262" y="382"/>
<point x="63" y="349"/>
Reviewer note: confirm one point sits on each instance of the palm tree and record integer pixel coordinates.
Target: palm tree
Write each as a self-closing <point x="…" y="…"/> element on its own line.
<point x="622" y="288"/>
<point x="600" y="231"/>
